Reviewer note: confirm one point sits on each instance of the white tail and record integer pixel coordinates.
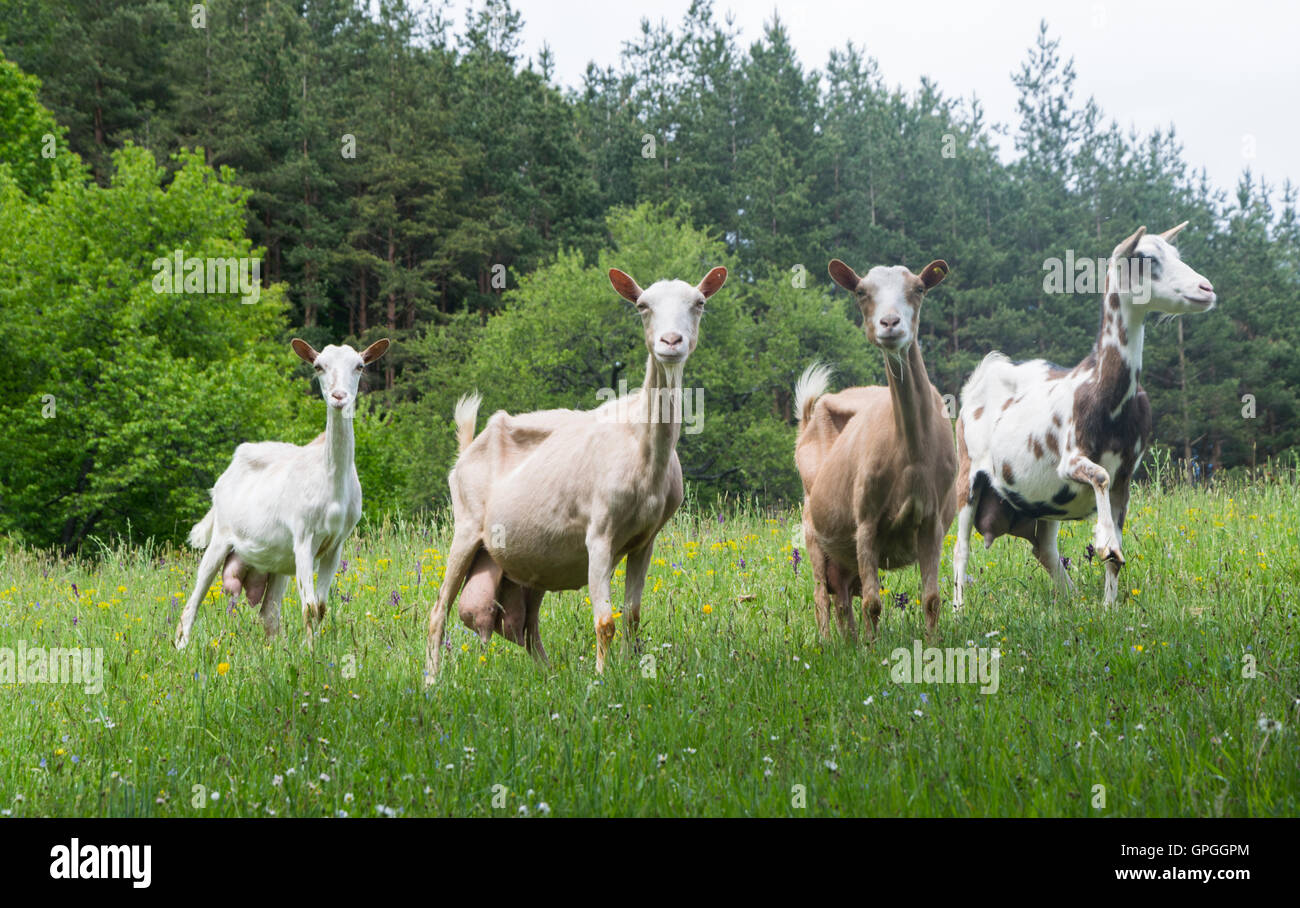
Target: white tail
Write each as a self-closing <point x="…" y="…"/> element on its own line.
<point x="811" y="385"/>
<point x="466" y="415"/>
<point x="201" y="533"/>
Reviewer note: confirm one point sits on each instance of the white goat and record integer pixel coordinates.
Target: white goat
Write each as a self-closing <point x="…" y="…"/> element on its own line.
<point x="282" y="510"/>
<point x="1038" y="443"/>
<point x="557" y="499"/>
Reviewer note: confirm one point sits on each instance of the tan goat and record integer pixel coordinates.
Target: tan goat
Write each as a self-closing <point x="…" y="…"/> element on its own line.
<point x="878" y="464"/>
<point x="556" y="502"/>
<point x="491" y="602"/>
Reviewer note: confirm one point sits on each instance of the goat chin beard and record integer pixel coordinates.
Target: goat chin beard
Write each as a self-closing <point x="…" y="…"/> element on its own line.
<point x="895" y="358"/>
<point x="673" y="373"/>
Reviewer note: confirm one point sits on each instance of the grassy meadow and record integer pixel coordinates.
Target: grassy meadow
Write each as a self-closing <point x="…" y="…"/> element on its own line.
<point x="1181" y="700"/>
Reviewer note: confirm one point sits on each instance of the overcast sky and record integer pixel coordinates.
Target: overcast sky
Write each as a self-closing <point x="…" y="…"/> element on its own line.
<point x="1220" y="72"/>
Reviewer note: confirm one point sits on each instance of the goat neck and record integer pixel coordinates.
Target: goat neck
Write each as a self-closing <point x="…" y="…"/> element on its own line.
<point x="1117" y="354"/>
<point x="340" y="457"/>
<point x="909" y="392"/>
<point x="659" y="434"/>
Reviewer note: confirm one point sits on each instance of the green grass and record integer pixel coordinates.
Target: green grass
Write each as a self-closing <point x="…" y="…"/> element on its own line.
<point x="1147" y="698"/>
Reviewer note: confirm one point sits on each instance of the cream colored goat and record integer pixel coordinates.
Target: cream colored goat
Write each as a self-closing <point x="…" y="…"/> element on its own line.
<point x="555" y="503"/>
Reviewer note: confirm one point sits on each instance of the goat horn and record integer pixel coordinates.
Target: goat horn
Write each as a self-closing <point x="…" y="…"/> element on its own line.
<point x="1126" y="248"/>
<point x="1172" y="232"/>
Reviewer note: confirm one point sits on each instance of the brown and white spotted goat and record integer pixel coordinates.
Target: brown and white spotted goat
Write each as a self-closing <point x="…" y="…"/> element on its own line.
<point x="1039" y="444"/>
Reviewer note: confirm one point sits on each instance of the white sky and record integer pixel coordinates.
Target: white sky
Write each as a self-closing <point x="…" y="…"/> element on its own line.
<point x="1218" y="71"/>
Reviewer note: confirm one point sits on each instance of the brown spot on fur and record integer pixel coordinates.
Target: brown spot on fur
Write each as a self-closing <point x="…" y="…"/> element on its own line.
<point x="1113" y="301"/>
<point x="1056" y="419"/>
<point x="1113" y="377"/>
<point x="1007" y="403"/>
<point x="1094" y="431"/>
<point x="1052" y="444"/>
<point x="1008" y="477"/>
<point x="1037" y="448"/>
<point x="1123" y="331"/>
<point x="979" y="411"/>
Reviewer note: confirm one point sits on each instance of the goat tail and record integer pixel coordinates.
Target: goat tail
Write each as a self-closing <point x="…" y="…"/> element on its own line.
<point x="811" y="385"/>
<point x="201" y="532"/>
<point x="466" y="416"/>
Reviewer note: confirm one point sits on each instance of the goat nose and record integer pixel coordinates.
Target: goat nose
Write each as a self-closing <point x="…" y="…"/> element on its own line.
<point x="338" y="395"/>
<point x="1207" y="286"/>
<point x="891" y="321"/>
<point x="672" y="339"/>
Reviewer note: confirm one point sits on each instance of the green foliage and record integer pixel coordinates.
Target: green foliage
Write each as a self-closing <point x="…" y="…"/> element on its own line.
<point x="32" y="146"/>
<point x="397" y="172"/>
<point x="124" y="404"/>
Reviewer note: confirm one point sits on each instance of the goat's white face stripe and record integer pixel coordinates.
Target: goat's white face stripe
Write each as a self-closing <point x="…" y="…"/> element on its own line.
<point x="887" y="286"/>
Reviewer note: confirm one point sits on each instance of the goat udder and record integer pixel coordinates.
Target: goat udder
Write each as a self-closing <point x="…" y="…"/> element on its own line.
<point x="232" y="576"/>
<point x="255" y="586"/>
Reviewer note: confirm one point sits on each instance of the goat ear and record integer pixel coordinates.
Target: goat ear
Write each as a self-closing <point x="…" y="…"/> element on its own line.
<point x="375" y="350"/>
<point x="1168" y="235"/>
<point x="626" y="287"/>
<point x="1125" y="249"/>
<point x="303" y="349"/>
<point x="713" y="281"/>
<point x="843" y="275"/>
<point x="934" y="273"/>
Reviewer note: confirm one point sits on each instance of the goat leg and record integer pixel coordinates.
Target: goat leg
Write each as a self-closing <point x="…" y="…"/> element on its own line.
<point x="464" y="546"/>
<point x="868" y="574"/>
